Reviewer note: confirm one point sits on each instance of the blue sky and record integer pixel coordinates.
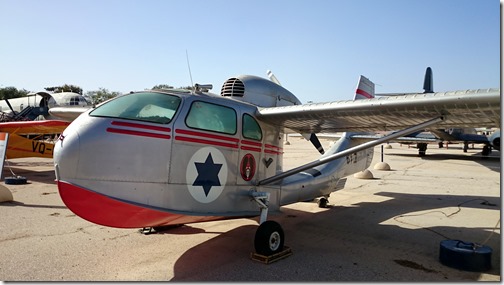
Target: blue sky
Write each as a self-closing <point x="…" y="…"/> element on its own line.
<point x="317" y="49"/>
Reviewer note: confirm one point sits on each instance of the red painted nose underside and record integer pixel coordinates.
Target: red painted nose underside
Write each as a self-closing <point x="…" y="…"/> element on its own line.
<point x="107" y="211"/>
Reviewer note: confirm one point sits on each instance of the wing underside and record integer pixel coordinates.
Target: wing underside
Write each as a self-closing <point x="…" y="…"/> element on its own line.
<point x="470" y="108"/>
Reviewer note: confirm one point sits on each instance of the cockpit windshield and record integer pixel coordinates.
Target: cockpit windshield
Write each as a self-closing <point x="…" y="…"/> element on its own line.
<point x="148" y="106"/>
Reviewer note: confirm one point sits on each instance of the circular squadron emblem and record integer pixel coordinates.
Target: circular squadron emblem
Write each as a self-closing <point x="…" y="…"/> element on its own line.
<point x="206" y="174"/>
<point x="247" y="167"/>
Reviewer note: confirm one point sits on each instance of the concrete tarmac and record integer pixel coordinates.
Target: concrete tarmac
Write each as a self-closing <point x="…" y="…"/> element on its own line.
<point x="384" y="229"/>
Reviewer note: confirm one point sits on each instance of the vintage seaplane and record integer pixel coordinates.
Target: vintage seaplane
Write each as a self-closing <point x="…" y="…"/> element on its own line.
<point x="169" y="157"/>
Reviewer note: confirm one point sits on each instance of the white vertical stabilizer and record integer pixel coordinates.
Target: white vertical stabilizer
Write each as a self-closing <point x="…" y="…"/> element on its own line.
<point x="365" y="89"/>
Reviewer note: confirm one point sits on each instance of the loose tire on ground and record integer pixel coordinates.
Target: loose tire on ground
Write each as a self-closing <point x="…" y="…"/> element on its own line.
<point x="269" y="238"/>
<point x="15" y="180"/>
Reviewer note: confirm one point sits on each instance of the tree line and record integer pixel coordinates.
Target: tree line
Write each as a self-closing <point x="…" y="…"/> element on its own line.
<point x="94" y="97"/>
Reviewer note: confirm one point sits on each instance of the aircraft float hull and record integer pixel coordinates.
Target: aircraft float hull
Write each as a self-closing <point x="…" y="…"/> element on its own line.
<point x="107" y="211"/>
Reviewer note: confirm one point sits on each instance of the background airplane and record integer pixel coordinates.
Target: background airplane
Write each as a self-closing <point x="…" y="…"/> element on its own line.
<point x="32" y="138"/>
<point x="30" y="127"/>
<point x="38" y="104"/>
<point x="449" y="135"/>
<point x="168" y="157"/>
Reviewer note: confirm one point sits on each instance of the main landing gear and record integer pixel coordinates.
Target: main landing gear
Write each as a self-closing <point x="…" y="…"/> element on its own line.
<point x="422" y="148"/>
<point x="486" y="150"/>
<point x="322" y="202"/>
<point x="269" y="237"/>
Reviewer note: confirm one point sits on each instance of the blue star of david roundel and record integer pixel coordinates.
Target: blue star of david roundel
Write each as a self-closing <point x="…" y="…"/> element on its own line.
<point x="206" y="174"/>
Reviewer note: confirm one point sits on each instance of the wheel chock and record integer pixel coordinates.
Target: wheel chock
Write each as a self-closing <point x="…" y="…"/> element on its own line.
<point x="271" y="258"/>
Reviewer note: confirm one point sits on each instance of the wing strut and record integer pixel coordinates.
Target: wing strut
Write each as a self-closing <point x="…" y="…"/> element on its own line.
<point x="350" y="151"/>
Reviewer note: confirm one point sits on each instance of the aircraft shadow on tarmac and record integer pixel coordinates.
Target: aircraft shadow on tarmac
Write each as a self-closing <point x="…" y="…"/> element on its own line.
<point x="21" y="204"/>
<point x="348" y="243"/>
<point x="177" y="230"/>
<point x="491" y="162"/>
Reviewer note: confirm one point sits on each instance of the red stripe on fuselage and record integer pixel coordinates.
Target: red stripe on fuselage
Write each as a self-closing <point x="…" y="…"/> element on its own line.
<point x="141" y="126"/>
<point x="205" y="135"/>
<point x="138" y="133"/>
<point x="272" y="149"/>
<point x="203" y="141"/>
<point x="141" y="133"/>
<point x="106" y="211"/>
<point x="258" y="144"/>
<point x="243" y="147"/>
<point x="203" y="138"/>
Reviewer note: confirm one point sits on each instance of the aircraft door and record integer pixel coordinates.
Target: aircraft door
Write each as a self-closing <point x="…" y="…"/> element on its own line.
<point x="205" y="150"/>
<point x="250" y="154"/>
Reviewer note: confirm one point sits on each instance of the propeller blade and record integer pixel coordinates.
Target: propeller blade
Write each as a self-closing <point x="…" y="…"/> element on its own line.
<point x="272" y="77"/>
<point x="316" y="143"/>
<point x="313" y="137"/>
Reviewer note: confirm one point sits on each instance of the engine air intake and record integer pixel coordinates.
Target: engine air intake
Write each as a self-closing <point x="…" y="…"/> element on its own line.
<point x="233" y="87"/>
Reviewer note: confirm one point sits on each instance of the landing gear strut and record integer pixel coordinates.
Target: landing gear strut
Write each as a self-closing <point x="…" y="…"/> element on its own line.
<point x="269" y="237"/>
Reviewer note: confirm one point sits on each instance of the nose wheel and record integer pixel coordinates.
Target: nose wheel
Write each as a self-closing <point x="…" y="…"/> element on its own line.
<point x="269" y="238"/>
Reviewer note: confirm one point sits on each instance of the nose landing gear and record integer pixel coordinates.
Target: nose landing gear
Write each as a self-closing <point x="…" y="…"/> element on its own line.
<point x="269" y="238"/>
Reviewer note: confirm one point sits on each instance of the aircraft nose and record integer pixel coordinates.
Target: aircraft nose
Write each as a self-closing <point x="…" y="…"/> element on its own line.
<point x="66" y="154"/>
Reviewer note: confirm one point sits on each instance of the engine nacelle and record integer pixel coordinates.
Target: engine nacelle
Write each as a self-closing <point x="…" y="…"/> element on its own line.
<point x="258" y="91"/>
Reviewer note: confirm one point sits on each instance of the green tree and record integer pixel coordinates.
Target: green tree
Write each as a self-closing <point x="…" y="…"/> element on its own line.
<point x="12" y="92"/>
<point x="100" y="95"/>
<point x="162" y="86"/>
<point x="65" y="88"/>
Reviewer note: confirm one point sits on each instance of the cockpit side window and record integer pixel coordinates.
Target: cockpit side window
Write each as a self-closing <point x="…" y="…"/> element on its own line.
<point x="211" y="117"/>
<point x="251" y="129"/>
<point x="74" y="101"/>
<point x="148" y="107"/>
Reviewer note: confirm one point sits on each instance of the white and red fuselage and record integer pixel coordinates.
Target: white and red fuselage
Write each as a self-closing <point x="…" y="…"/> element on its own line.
<point x="157" y="158"/>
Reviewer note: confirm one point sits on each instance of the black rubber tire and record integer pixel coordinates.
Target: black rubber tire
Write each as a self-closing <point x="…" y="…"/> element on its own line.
<point x="15" y="180"/>
<point x="422" y="148"/>
<point x="322" y="202"/>
<point x="269" y="238"/>
<point x="486" y="150"/>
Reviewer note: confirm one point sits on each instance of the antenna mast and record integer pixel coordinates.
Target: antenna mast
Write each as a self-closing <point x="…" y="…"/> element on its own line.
<point x="189" y="66"/>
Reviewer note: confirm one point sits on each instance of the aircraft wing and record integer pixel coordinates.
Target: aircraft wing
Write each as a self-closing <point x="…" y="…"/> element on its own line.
<point x="34" y="127"/>
<point x="67" y="113"/>
<point x="26" y="138"/>
<point x="469" y="108"/>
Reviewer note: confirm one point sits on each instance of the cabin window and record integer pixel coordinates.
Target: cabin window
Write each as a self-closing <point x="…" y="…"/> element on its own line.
<point x="74" y="101"/>
<point x="211" y="117"/>
<point x="251" y="129"/>
<point x="148" y="107"/>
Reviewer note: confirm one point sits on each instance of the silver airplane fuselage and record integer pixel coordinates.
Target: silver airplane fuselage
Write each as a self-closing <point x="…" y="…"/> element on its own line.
<point x="156" y="158"/>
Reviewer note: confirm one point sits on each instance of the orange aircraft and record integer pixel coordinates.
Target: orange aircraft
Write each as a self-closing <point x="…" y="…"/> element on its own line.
<point x="31" y="138"/>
